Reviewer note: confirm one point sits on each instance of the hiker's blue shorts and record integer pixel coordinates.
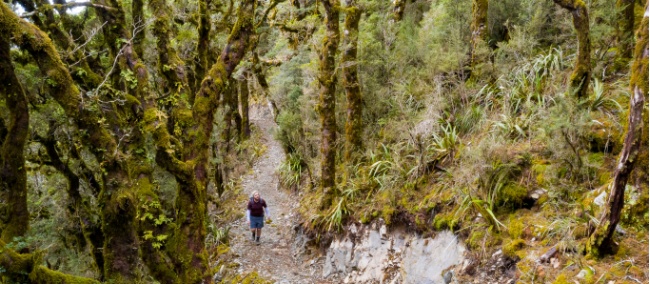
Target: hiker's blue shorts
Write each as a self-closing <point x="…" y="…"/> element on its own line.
<point x="257" y="222"/>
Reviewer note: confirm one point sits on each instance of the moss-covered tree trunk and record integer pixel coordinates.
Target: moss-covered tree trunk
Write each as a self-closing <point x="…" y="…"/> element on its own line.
<point x="258" y="72"/>
<point x="192" y="170"/>
<point x="228" y="99"/>
<point x="137" y="18"/>
<point x="581" y="75"/>
<point x="353" y="123"/>
<point x="327" y="103"/>
<point x="14" y="216"/>
<point x="79" y="208"/>
<point x="117" y="197"/>
<point x="169" y="64"/>
<point x="202" y="45"/>
<point x="478" y="27"/>
<point x="625" y="28"/>
<point x="602" y="240"/>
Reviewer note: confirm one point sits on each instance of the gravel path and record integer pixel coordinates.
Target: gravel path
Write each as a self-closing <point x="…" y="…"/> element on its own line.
<point x="276" y="257"/>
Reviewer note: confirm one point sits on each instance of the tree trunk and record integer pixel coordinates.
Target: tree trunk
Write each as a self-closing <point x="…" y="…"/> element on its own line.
<point x="14" y="217"/>
<point x="625" y="28"/>
<point x="327" y="104"/>
<point x="189" y="239"/>
<point x="137" y="18"/>
<point x="245" y="130"/>
<point x="478" y="27"/>
<point x="353" y="124"/>
<point x="79" y="208"/>
<point x="582" y="70"/>
<point x="264" y="84"/>
<point x="170" y="65"/>
<point x="202" y="46"/>
<point x="117" y="197"/>
<point x="602" y="240"/>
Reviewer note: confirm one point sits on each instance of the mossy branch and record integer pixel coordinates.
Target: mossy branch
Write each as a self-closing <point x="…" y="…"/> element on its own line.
<point x="267" y="11"/>
<point x="18" y="265"/>
<point x="63" y="89"/>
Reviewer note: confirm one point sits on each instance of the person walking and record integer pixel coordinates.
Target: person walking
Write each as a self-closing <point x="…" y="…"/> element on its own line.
<point x="255" y="215"/>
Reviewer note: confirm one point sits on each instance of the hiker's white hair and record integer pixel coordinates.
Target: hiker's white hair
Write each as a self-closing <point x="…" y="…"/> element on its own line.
<point x="254" y="192"/>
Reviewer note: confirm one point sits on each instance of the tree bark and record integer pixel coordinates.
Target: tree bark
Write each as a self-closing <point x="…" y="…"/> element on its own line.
<point x="245" y="131"/>
<point x="478" y="27"/>
<point x="353" y="123"/>
<point x="581" y="75"/>
<point x="14" y="216"/>
<point x="601" y="242"/>
<point x="625" y="28"/>
<point x="327" y="103"/>
<point x="202" y="46"/>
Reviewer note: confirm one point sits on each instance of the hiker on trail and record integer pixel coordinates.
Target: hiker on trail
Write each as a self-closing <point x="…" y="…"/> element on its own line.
<point x="255" y="215"/>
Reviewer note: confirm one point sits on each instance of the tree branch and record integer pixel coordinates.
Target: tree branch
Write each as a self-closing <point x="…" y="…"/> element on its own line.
<point x="68" y="6"/>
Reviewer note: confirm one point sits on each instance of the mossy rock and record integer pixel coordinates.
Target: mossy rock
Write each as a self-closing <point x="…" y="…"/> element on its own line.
<point x="511" y="196"/>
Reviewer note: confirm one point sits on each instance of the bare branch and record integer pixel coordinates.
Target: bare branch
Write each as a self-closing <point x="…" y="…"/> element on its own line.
<point x="92" y="35"/>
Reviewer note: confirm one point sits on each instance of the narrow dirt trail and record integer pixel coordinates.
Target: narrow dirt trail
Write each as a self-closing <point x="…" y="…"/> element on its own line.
<point x="276" y="257"/>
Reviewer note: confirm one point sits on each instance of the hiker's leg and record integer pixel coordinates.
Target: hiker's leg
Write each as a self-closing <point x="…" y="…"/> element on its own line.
<point x="259" y="232"/>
